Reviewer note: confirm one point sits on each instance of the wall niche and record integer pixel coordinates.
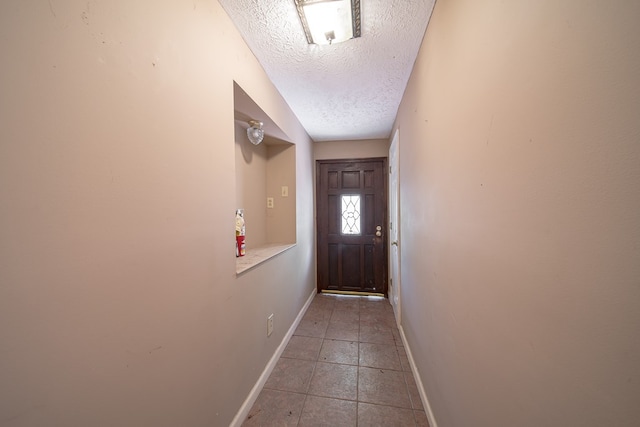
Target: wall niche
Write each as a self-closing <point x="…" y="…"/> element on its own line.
<point x="265" y="183"/>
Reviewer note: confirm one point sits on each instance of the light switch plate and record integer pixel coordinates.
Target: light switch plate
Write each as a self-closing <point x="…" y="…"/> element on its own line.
<point x="270" y="325"/>
<point x="285" y="191"/>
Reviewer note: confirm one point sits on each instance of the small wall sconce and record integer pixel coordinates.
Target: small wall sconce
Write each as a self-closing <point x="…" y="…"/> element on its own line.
<point x="255" y="133"/>
<point x="329" y="21"/>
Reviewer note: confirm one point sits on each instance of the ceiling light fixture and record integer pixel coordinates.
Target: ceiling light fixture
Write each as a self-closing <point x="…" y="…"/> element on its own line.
<point x="255" y="133"/>
<point x="329" y="21"/>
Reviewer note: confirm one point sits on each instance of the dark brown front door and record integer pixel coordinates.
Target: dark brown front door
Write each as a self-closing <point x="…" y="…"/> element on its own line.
<point x="352" y="224"/>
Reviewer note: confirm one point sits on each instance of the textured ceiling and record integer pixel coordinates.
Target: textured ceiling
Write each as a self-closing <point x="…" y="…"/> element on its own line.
<point x="344" y="91"/>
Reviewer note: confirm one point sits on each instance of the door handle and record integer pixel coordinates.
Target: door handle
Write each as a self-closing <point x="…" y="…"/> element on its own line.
<point x="394" y="243"/>
<point x="378" y="231"/>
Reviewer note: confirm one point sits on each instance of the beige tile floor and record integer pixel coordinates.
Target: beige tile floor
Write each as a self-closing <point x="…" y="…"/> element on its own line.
<point x="344" y="366"/>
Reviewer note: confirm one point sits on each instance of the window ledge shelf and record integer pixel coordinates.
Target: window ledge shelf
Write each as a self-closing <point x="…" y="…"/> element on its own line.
<point x="257" y="256"/>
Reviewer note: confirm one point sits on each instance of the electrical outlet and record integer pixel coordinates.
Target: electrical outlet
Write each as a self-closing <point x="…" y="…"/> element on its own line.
<point x="270" y="325"/>
<point x="269" y="202"/>
<point x="285" y="191"/>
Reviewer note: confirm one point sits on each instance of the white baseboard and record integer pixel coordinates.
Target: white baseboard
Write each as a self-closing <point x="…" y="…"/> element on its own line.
<point x="257" y="388"/>
<point x="416" y="375"/>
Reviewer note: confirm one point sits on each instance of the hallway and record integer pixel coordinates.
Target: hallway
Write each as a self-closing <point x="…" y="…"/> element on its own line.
<point x="344" y="366"/>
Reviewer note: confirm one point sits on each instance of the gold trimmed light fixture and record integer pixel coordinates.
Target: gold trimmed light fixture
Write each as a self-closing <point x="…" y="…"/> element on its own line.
<point x="255" y="133"/>
<point x="329" y="21"/>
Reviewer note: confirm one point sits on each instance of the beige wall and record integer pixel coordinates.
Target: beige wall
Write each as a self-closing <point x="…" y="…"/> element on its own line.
<point x="251" y="187"/>
<point x="119" y="302"/>
<point x="520" y="198"/>
<point x="357" y="149"/>
<point x="281" y="172"/>
<point x="261" y="172"/>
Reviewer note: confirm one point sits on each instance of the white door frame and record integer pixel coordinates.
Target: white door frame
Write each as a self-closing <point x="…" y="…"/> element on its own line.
<point x="394" y="226"/>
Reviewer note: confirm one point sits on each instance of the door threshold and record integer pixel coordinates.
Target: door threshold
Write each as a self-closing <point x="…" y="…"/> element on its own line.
<point x="361" y="294"/>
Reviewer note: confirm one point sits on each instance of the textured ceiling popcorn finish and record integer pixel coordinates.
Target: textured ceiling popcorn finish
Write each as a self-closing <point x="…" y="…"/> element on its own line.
<point x="343" y="91"/>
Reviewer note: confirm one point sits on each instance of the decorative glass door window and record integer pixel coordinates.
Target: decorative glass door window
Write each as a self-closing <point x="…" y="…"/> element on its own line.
<point x="350" y="214"/>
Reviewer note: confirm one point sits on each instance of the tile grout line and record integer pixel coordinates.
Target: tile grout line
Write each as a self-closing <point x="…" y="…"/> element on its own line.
<point x="315" y="365"/>
<point x="306" y="393"/>
<point x="406" y="384"/>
